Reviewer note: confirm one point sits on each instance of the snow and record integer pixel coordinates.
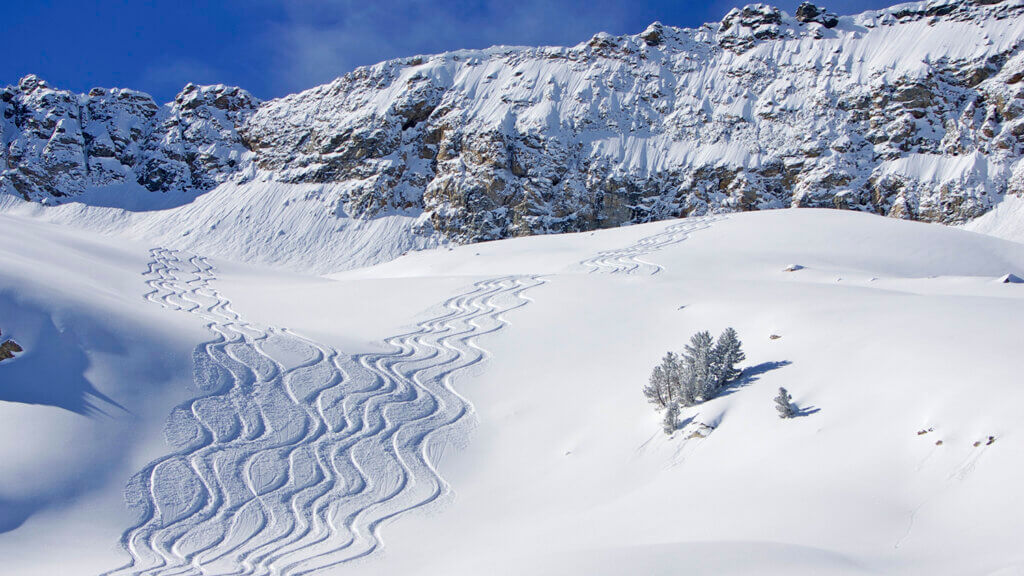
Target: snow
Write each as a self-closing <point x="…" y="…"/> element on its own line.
<point x="936" y="170"/>
<point x="297" y="226"/>
<point x="527" y="446"/>
<point x="257" y="372"/>
<point x="1006" y="220"/>
<point x="913" y="111"/>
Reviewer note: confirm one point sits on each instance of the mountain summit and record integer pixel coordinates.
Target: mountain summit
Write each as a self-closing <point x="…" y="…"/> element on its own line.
<point x="915" y="111"/>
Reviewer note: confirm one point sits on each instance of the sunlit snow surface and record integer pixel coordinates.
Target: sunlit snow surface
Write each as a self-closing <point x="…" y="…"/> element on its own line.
<point x="273" y="423"/>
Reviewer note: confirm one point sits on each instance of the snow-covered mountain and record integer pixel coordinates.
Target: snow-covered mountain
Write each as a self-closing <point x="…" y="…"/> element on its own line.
<point x="238" y="337"/>
<point x="58" y="144"/>
<point x="916" y="111"/>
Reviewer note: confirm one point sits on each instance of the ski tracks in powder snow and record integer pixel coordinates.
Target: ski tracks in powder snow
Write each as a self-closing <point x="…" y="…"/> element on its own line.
<point x="293" y="455"/>
<point x="627" y="260"/>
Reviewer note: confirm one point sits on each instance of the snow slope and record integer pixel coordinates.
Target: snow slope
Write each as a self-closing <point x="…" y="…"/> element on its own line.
<point x="293" y="226"/>
<point x="1005" y="221"/>
<point x="478" y="408"/>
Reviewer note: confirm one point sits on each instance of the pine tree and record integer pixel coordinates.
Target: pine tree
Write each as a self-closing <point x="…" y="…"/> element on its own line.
<point x="664" y="383"/>
<point x="673" y="372"/>
<point x="656" y="390"/>
<point x="698" y="357"/>
<point x="687" y="387"/>
<point x="727" y="354"/>
<point x="696" y="376"/>
<point x="783" y="404"/>
<point x="671" y="420"/>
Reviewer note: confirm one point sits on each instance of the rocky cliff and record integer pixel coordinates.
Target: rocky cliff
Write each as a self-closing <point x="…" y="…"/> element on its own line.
<point x="8" y="349"/>
<point x="57" y="143"/>
<point x="916" y="111"/>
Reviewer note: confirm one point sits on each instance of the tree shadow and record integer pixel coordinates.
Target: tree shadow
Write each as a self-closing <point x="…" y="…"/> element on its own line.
<point x="805" y="411"/>
<point x="751" y="375"/>
<point x="683" y="423"/>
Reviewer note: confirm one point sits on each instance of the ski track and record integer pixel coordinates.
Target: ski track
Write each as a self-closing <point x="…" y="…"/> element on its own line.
<point x="627" y="260"/>
<point x="293" y="455"/>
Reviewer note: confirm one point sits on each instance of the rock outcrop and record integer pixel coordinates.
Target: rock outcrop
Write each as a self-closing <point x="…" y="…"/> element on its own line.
<point x="8" y="349"/>
<point x="808" y="12"/>
<point x="57" y="143"/>
<point x="878" y="112"/>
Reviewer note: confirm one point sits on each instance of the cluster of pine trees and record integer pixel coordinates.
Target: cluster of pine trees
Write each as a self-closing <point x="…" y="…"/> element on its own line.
<point x="697" y="375"/>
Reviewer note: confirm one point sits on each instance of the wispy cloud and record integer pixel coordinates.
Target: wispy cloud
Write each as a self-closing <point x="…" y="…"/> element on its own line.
<point x="309" y="42"/>
<point x="317" y="42"/>
<point x="273" y="47"/>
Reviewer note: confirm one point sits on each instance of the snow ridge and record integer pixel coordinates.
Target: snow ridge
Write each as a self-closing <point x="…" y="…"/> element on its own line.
<point x="915" y="111"/>
<point x="294" y="455"/>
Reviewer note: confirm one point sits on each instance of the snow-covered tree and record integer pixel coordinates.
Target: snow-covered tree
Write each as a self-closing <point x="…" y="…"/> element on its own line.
<point x="727" y="354"/>
<point x="783" y="404"/>
<point x="699" y="359"/>
<point x="698" y="374"/>
<point x="676" y="371"/>
<point x="671" y="420"/>
<point x="664" y="383"/>
<point x="687" y="394"/>
<point x="657" y="389"/>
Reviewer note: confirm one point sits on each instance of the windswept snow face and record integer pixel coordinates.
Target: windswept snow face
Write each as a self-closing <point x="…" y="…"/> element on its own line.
<point x="292" y="226"/>
<point x="1005" y="221"/>
<point x="513" y="407"/>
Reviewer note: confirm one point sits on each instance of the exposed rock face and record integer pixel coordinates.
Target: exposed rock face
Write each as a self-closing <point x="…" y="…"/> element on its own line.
<point x="877" y="112"/>
<point x="808" y="12"/>
<point x="743" y="27"/>
<point x="8" y="349"/>
<point x="56" y="143"/>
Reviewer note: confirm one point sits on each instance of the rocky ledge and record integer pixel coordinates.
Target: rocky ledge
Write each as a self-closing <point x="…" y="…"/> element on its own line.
<point x="8" y="349"/>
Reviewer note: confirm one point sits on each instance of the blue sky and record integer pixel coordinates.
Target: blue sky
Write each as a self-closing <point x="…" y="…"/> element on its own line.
<point x="275" y="47"/>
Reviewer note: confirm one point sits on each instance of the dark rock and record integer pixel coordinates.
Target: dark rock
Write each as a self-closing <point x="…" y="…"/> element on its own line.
<point x="941" y="9"/>
<point x="808" y="12"/>
<point x="653" y="35"/>
<point x="8" y="349"/>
